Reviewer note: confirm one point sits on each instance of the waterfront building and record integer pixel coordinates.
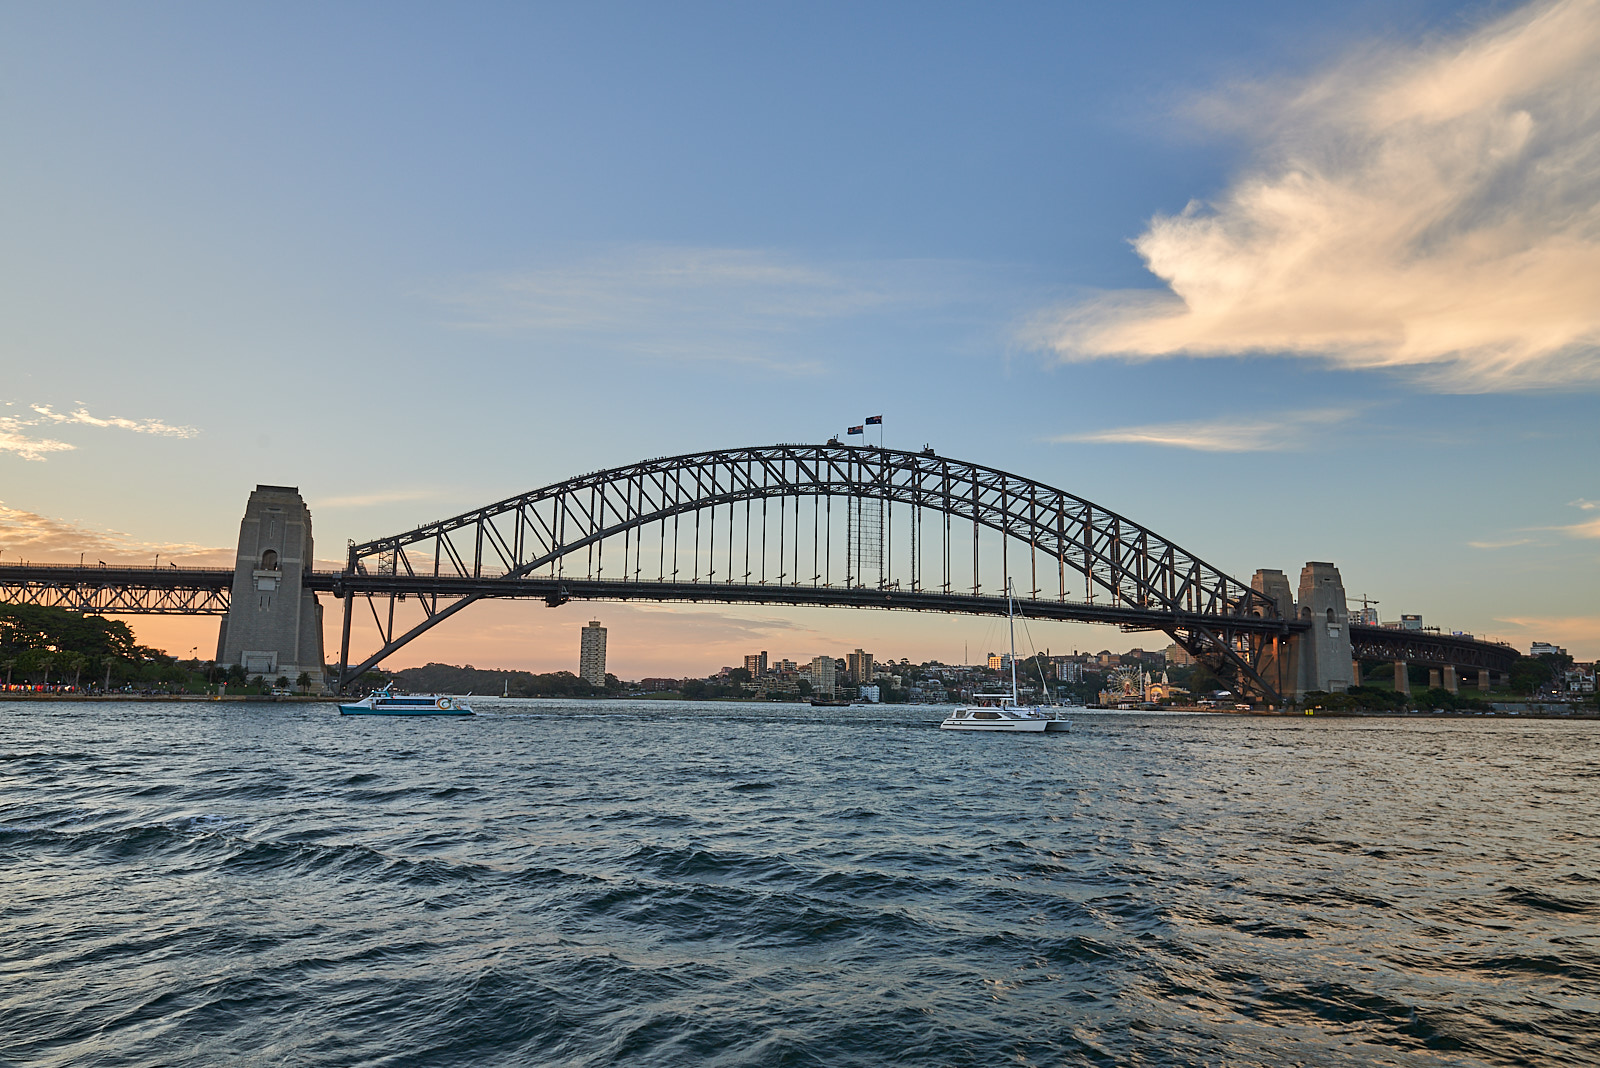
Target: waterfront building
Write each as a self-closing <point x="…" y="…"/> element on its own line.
<point x="756" y="664"/>
<point x="592" y="654"/>
<point x="1538" y="649"/>
<point x="858" y="667"/>
<point x="1178" y="656"/>
<point x="824" y="676"/>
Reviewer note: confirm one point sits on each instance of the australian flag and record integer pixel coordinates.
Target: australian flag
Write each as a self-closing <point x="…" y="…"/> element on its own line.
<point x="856" y="430"/>
<point x="874" y="420"/>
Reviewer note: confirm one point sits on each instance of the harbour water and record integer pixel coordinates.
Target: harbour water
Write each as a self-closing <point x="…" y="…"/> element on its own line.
<point x="599" y="883"/>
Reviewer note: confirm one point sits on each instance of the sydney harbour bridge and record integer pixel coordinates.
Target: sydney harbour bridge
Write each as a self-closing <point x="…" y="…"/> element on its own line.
<point x="825" y="525"/>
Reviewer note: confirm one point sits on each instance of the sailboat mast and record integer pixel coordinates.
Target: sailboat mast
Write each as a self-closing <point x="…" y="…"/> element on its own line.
<point x="1011" y="618"/>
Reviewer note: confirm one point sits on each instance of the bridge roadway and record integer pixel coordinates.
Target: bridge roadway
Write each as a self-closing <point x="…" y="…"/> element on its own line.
<point x="206" y="591"/>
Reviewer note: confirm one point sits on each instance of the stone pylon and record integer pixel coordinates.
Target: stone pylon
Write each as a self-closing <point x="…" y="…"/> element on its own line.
<point x="274" y="625"/>
<point x="1325" y="650"/>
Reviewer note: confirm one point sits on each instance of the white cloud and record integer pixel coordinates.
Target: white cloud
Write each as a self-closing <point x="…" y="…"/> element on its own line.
<point x="1506" y="544"/>
<point x="16" y="438"/>
<point x="1585" y="505"/>
<point x="1219" y="435"/>
<point x="1433" y="210"/>
<point x="138" y="426"/>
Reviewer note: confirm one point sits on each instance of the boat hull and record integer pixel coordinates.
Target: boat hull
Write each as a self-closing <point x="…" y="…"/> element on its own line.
<point x="363" y="710"/>
<point x="1015" y="726"/>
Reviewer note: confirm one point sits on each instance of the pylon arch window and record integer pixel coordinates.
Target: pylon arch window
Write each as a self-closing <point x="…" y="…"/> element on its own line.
<point x="269" y="560"/>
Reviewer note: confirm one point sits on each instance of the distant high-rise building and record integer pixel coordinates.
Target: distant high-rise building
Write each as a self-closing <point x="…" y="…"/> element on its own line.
<point x="1178" y="656"/>
<point x="592" y="654"/>
<point x="824" y="675"/>
<point x="756" y="664"/>
<point x="999" y="661"/>
<point x="858" y="666"/>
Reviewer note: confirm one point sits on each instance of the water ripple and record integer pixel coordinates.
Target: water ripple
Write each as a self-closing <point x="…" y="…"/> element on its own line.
<point x="606" y="884"/>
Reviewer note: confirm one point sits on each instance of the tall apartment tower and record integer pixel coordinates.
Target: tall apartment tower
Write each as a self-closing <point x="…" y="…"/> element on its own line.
<point x="274" y="625"/>
<point x="858" y="665"/>
<point x="592" y="654"/>
<point x="756" y="664"/>
<point x="823" y="673"/>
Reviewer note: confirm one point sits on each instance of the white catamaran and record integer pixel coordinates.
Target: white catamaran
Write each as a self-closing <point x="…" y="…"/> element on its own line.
<point x="385" y="702"/>
<point x="1002" y="711"/>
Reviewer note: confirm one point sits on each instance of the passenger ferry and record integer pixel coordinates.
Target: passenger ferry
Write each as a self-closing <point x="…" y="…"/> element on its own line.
<point x="385" y="702"/>
<point x="1002" y="711"/>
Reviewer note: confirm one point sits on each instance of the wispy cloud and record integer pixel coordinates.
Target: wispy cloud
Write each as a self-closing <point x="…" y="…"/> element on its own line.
<point x="30" y="536"/>
<point x="17" y="437"/>
<point x="705" y="304"/>
<point x="1585" y="505"/>
<point x="1505" y="544"/>
<point x="1575" y="631"/>
<point x="1589" y="528"/>
<point x="368" y="500"/>
<point x="1217" y="435"/>
<point x="138" y="426"/>
<point x="1434" y="210"/>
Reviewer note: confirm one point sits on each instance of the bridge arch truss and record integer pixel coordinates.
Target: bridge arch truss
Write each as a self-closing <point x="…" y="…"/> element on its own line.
<point x="812" y="524"/>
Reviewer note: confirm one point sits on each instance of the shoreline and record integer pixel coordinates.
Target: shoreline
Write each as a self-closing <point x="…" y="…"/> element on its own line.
<point x="303" y="699"/>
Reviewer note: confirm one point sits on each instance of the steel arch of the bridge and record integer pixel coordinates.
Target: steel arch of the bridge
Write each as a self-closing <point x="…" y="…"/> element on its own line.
<point x="495" y="551"/>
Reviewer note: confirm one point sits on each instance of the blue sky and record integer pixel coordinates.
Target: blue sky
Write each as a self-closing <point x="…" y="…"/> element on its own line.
<point x="1283" y="282"/>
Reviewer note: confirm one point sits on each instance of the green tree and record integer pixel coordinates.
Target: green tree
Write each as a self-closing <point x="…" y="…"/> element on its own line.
<point x="75" y="663"/>
<point x="303" y="682"/>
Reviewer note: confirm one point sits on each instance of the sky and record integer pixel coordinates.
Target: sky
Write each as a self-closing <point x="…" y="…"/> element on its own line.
<point x="1280" y="282"/>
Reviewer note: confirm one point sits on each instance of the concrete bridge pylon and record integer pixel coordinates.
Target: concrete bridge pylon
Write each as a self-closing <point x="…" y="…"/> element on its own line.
<point x="274" y="624"/>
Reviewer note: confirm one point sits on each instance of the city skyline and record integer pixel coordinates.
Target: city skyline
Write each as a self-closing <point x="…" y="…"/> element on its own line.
<point x="1283" y="285"/>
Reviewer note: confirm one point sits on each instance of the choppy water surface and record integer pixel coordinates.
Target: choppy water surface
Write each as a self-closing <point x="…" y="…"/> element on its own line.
<point x="596" y="884"/>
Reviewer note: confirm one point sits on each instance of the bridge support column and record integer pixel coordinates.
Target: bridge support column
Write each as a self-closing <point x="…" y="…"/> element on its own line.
<point x="1355" y="672"/>
<point x="1326" y="654"/>
<point x="1483" y="679"/>
<point x="274" y="624"/>
<point x="1402" y="677"/>
<point x="1450" y="682"/>
<point x="1435" y="679"/>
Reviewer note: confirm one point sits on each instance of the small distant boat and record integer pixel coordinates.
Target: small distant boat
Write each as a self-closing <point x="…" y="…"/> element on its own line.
<point x="385" y="702"/>
<point x="1002" y="711"/>
<point x="830" y="702"/>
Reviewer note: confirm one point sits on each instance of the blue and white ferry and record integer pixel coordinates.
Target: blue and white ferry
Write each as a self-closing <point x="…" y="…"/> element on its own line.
<point x="385" y="702"/>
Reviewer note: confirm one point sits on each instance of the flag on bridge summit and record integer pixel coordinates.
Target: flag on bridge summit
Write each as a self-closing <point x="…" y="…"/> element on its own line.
<point x="856" y="430"/>
<point x="874" y="420"/>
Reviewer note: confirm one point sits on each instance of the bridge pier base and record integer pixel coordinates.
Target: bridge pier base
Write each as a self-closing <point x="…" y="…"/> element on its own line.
<point x="1483" y="679"/>
<point x="1402" y="677"/>
<point x="1450" y="682"/>
<point x="1355" y="672"/>
<point x="1435" y="679"/>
